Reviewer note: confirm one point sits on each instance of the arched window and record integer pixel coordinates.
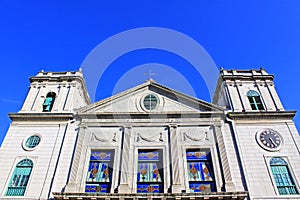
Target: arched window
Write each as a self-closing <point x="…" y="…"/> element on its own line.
<point x="255" y="100"/>
<point x="19" y="179"/>
<point x="282" y="176"/>
<point x="49" y="101"/>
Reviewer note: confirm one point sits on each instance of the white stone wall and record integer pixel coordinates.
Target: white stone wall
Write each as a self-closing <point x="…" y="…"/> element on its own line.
<point x="63" y="168"/>
<point x="44" y="157"/>
<point x="255" y="160"/>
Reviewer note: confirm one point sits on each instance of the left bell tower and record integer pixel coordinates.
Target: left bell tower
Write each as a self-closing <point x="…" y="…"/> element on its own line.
<point x="37" y="151"/>
<point x="56" y="92"/>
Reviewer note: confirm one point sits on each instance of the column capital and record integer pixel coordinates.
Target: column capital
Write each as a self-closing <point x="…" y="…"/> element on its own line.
<point x="126" y="127"/>
<point x="174" y="126"/>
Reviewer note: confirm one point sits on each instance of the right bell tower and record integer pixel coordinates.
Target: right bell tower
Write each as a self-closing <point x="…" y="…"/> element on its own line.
<point x="263" y="135"/>
<point x="247" y="90"/>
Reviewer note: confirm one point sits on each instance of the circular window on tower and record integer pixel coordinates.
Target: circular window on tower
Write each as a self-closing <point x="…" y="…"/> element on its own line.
<point x="150" y="102"/>
<point x="31" y="142"/>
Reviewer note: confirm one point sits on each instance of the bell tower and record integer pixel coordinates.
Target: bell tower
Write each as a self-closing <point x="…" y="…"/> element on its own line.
<point x="263" y="136"/>
<point x="37" y="151"/>
<point x="55" y="92"/>
<point x="247" y="91"/>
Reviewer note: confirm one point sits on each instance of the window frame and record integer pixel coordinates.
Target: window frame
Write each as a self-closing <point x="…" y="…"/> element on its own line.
<point x="12" y="174"/>
<point x="212" y="171"/>
<point x="49" y="95"/>
<point x="150" y="98"/>
<point x="162" y="170"/>
<point x="24" y="146"/>
<point x="255" y="100"/>
<point x="290" y="171"/>
<point x="111" y="172"/>
<point x="159" y="102"/>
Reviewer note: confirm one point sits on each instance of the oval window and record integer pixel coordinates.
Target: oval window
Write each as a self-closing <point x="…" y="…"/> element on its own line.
<point x="32" y="141"/>
<point x="150" y="102"/>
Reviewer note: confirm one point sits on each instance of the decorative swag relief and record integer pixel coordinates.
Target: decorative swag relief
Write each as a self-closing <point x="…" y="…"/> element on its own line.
<point x="201" y="137"/>
<point x="154" y="138"/>
<point x="95" y="137"/>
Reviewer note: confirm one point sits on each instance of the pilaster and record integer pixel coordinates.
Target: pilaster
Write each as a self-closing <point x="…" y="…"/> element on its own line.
<point x="38" y="103"/>
<point x="126" y="151"/>
<point x="176" y="160"/>
<point x="31" y="96"/>
<point x="226" y="168"/>
<point x="69" y="98"/>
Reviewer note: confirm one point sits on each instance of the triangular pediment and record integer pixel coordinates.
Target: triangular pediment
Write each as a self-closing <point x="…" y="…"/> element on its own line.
<point x="162" y="100"/>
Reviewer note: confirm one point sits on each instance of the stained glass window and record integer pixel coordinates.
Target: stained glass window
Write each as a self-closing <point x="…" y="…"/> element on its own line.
<point x="255" y="101"/>
<point x="200" y="172"/>
<point x="20" y="178"/>
<point x="99" y="176"/>
<point x="282" y="176"/>
<point x="32" y="141"/>
<point x="150" y="102"/>
<point x="49" y="101"/>
<point x="150" y="172"/>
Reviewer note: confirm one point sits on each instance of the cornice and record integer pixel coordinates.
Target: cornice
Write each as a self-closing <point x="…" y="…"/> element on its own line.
<point x="287" y="115"/>
<point x="246" y="77"/>
<point x="40" y="116"/>
<point x="55" y="78"/>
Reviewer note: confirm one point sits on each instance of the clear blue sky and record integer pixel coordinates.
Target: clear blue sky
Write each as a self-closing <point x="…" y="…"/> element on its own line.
<point x="57" y="36"/>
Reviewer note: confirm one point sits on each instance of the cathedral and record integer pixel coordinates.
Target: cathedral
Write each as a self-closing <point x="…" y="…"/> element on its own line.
<point x="151" y="142"/>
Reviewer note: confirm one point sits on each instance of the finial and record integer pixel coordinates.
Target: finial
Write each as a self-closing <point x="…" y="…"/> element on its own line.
<point x="150" y="74"/>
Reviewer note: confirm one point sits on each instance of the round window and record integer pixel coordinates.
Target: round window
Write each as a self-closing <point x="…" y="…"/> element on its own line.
<point x="150" y="102"/>
<point x="32" y="141"/>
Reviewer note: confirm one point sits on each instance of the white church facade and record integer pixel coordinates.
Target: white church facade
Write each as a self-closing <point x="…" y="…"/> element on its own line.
<point x="151" y="142"/>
